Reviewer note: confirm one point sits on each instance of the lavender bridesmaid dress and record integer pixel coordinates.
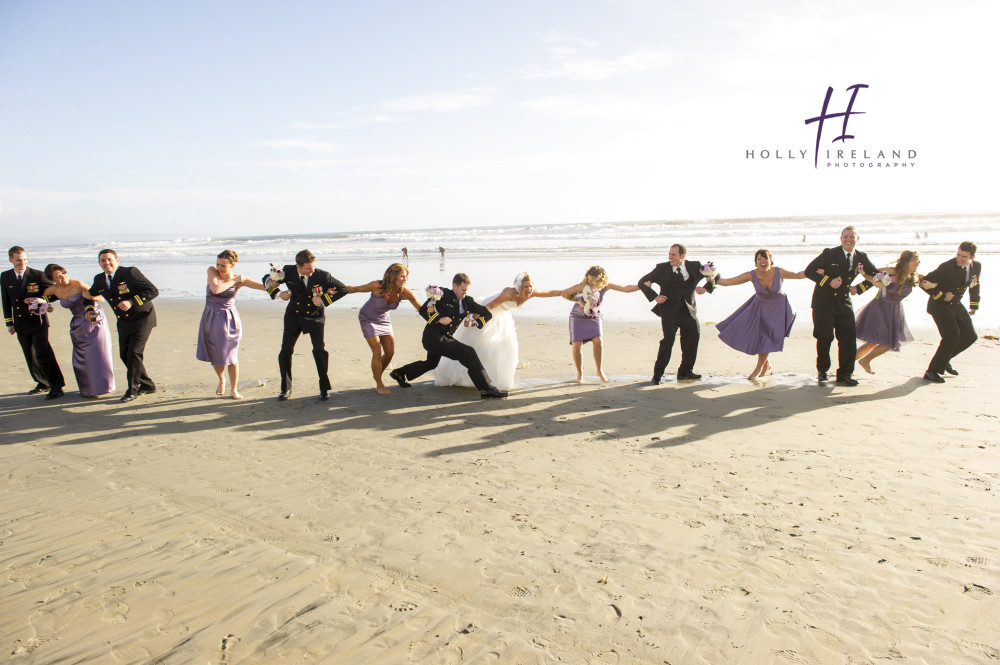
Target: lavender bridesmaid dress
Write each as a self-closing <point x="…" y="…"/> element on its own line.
<point x="761" y="324"/>
<point x="882" y="321"/>
<point x="584" y="327"/>
<point x="220" y="330"/>
<point x="91" y="349"/>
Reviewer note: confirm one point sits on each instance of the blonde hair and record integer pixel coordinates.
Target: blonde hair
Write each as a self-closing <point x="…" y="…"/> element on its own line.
<point x="903" y="273"/>
<point x="229" y="255"/>
<point x="599" y="274"/>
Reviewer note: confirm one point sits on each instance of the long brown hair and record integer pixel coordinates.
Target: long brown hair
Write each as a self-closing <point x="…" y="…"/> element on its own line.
<point x="391" y="273"/>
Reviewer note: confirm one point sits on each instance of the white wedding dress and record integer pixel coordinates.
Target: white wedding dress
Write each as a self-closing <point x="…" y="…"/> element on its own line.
<point x="496" y="346"/>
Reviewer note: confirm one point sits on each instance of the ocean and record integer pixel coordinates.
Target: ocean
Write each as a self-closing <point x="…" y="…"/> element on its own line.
<point x="555" y="255"/>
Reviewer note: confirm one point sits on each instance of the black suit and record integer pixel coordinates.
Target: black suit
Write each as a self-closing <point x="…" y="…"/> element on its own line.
<point x="832" y="310"/>
<point x="678" y="312"/>
<point x="952" y="319"/>
<point x="135" y="324"/>
<point x="438" y="341"/>
<point x="32" y="330"/>
<point x="302" y="316"/>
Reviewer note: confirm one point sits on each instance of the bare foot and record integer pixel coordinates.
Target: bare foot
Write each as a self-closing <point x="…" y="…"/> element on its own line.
<point x="237" y="395"/>
<point x="866" y="365"/>
<point x="604" y="379"/>
<point x="579" y="378"/>
<point x="766" y="369"/>
<point x="221" y="390"/>
<point x="382" y="390"/>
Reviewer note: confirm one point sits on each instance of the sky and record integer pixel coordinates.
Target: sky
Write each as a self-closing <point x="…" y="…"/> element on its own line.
<point x="219" y="118"/>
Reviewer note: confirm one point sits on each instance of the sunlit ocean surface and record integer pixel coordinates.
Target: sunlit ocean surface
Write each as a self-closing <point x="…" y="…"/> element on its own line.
<point x="555" y="255"/>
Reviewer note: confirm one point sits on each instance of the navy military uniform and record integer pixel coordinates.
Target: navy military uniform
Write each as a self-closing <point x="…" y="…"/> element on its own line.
<point x="135" y="325"/>
<point x="302" y="316"/>
<point x="32" y="330"/>
<point x="439" y="342"/>
<point x="832" y="309"/>
<point x="951" y="317"/>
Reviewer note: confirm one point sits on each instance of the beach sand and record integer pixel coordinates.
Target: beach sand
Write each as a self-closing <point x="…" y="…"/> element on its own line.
<point x="719" y="521"/>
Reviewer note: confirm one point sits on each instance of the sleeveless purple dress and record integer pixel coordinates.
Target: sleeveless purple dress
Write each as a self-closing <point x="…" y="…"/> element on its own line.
<point x="882" y="321"/>
<point x="761" y="324"/>
<point x="374" y="316"/>
<point x="220" y="330"/>
<point x="582" y="326"/>
<point x="91" y="349"/>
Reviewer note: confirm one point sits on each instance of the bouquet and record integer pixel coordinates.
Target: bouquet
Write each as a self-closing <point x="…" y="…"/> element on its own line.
<point x="882" y="279"/>
<point x="590" y="298"/>
<point x="709" y="271"/>
<point x="38" y="306"/>
<point x="434" y="292"/>
<point x="276" y="274"/>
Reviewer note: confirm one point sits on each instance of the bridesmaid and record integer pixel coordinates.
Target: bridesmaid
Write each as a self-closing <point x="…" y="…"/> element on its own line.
<point x="91" y="340"/>
<point x="220" y="329"/>
<point x="761" y="324"/>
<point x="585" y="318"/>
<point x="881" y="323"/>
<point x="376" y="325"/>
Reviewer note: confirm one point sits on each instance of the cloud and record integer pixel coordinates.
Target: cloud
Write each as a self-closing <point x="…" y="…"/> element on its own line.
<point x="442" y="102"/>
<point x="567" y="65"/>
<point x="304" y="164"/>
<point x="298" y="144"/>
<point x="347" y="123"/>
<point x="619" y="110"/>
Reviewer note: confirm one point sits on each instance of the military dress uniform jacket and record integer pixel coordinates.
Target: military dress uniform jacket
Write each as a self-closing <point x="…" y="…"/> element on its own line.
<point x="675" y="291"/>
<point x="15" y="310"/>
<point x="949" y="276"/>
<point x="448" y="306"/>
<point x="130" y="284"/>
<point x="834" y="264"/>
<point x="300" y="305"/>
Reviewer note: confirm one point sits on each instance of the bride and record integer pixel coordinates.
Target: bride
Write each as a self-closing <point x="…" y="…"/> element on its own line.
<point x="496" y="343"/>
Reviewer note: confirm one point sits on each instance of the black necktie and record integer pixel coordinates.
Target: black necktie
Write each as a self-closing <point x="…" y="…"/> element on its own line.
<point x="678" y="276"/>
<point x="107" y="278"/>
<point x="305" y="281"/>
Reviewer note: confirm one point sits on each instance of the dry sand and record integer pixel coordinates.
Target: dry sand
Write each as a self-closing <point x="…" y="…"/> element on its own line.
<point x="711" y="522"/>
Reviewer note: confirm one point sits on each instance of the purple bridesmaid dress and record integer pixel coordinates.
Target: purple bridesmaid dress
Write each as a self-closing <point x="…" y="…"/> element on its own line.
<point x="882" y="321"/>
<point x="374" y="316"/>
<point x="91" y="349"/>
<point x="582" y="326"/>
<point x="761" y="324"/>
<point x="220" y="330"/>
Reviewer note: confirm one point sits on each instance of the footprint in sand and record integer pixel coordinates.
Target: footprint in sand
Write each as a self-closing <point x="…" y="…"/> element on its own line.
<point x="403" y="606"/>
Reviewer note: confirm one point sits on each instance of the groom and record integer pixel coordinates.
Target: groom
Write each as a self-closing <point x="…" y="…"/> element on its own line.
<point x="675" y="305"/>
<point x="443" y="319"/>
